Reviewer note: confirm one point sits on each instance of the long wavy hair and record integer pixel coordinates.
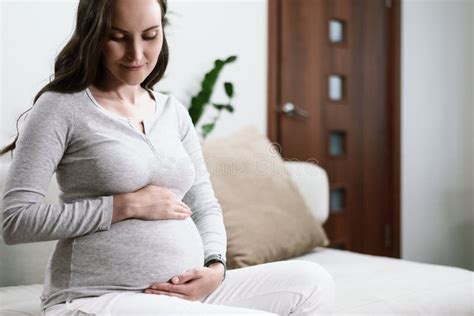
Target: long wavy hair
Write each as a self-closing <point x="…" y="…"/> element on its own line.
<point x="78" y="65"/>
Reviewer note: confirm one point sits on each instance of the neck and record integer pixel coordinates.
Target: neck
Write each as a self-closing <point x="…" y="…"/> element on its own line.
<point x="118" y="91"/>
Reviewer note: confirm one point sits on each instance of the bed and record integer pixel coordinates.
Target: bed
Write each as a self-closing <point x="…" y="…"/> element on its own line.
<point x="365" y="284"/>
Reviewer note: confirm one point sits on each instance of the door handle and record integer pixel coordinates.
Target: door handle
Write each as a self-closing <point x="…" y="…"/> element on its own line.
<point x="289" y="109"/>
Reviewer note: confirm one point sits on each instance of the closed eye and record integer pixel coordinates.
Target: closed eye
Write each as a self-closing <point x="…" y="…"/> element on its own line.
<point x="120" y="39"/>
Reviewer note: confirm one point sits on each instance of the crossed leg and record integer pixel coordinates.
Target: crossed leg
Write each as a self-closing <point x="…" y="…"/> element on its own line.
<point x="294" y="287"/>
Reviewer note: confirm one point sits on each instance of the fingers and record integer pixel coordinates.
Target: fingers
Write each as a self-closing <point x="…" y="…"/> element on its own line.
<point x="170" y="288"/>
<point x="156" y="292"/>
<point x="176" y="209"/>
<point x="184" y="287"/>
<point x="180" y="213"/>
<point x="186" y="276"/>
<point x="172" y="198"/>
<point x="185" y="206"/>
<point x="182" y="210"/>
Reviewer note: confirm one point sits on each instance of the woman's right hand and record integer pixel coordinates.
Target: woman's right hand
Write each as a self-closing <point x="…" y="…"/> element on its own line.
<point x="150" y="203"/>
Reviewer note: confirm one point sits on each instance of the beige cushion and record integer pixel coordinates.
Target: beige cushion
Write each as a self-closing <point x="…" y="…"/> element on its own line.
<point x="266" y="218"/>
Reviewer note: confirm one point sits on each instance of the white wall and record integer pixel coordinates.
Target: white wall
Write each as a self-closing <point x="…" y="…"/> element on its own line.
<point x="437" y="148"/>
<point x="437" y="101"/>
<point x="202" y="31"/>
<point x="199" y="33"/>
<point x="32" y="34"/>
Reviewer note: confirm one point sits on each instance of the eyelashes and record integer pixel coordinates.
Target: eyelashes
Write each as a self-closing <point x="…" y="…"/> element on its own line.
<point x="121" y="39"/>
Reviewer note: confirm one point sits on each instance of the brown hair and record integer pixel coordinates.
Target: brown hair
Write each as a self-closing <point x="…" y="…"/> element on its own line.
<point x="78" y="64"/>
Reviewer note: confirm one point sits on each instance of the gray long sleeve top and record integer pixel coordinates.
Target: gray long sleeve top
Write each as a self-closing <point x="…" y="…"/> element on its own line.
<point x="97" y="154"/>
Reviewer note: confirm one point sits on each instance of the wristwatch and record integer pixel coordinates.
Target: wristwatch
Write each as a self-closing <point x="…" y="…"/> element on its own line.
<point x="216" y="258"/>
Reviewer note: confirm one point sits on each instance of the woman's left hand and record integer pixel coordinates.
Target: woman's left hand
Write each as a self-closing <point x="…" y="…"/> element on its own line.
<point x="192" y="284"/>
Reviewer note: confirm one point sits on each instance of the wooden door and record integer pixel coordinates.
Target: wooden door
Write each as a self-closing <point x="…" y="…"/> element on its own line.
<point x="333" y="98"/>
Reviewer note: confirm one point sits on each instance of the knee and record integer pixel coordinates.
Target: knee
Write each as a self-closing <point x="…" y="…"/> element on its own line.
<point x="313" y="275"/>
<point x="320" y="290"/>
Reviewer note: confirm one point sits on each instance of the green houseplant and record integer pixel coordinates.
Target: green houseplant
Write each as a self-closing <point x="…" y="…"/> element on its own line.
<point x="202" y="99"/>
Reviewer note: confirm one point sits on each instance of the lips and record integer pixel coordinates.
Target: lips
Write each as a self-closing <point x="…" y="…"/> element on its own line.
<point x="133" y="67"/>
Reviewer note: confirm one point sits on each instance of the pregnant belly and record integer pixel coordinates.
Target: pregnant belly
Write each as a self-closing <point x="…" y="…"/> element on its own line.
<point x="136" y="253"/>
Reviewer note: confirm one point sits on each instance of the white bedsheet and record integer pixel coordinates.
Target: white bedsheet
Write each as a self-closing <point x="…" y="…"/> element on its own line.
<point x="377" y="285"/>
<point x="368" y="285"/>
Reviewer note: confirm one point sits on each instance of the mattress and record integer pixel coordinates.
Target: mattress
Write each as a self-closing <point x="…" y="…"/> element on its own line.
<point x="365" y="285"/>
<point x="375" y="285"/>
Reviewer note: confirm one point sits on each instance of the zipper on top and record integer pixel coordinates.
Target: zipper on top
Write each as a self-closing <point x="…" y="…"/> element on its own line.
<point x="145" y="138"/>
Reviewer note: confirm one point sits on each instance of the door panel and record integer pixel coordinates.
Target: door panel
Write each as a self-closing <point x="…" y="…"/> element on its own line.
<point x="353" y="138"/>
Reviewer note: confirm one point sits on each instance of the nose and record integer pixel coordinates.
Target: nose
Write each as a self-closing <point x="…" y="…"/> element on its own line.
<point x="135" y="50"/>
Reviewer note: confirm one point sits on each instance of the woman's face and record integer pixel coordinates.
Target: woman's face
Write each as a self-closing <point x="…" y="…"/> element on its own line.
<point x="135" y="39"/>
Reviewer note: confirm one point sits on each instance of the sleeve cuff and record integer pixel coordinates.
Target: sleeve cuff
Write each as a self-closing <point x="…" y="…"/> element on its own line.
<point x="107" y="212"/>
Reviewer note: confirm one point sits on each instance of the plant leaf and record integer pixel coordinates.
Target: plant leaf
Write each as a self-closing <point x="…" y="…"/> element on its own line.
<point x="219" y="106"/>
<point x="229" y="108"/>
<point x="231" y="59"/>
<point x="202" y="98"/>
<point x="229" y="89"/>
<point x="207" y="128"/>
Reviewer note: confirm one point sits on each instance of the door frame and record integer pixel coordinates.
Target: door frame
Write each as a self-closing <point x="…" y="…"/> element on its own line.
<point x="393" y="98"/>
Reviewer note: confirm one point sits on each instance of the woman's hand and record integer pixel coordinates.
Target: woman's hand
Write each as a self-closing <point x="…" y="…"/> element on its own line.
<point x="192" y="284"/>
<point x="149" y="203"/>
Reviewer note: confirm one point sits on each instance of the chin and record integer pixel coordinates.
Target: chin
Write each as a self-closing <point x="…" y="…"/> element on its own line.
<point x="132" y="80"/>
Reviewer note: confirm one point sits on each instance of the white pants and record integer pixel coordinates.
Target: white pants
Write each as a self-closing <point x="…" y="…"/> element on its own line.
<point x="294" y="287"/>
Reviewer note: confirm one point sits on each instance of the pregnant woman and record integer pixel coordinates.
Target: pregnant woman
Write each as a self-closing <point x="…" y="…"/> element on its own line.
<point x="139" y="229"/>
